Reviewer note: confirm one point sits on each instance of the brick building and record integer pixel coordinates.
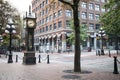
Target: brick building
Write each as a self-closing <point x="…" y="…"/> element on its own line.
<point x="53" y="24"/>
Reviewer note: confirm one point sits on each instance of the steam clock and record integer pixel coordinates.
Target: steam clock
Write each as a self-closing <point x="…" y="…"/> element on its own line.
<point x="30" y="24"/>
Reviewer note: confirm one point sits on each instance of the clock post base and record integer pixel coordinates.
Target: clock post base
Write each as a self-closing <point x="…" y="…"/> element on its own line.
<point x="29" y="58"/>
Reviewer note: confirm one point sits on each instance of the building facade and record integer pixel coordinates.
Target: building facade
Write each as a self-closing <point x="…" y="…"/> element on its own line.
<point x="53" y="24"/>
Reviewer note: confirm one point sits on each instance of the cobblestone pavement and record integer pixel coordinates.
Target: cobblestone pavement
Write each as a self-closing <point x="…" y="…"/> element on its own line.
<point x="60" y="68"/>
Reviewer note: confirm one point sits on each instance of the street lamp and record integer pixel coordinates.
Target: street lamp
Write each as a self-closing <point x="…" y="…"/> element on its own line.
<point x="101" y="35"/>
<point x="10" y="28"/>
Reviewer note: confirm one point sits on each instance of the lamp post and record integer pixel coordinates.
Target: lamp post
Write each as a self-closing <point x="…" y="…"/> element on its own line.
<point x="10" y="29"/>
<point x="101" y="35"/>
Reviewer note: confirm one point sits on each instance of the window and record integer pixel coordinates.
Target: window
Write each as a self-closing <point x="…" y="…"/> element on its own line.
<point x="97" y="26"/>
<point x="91" y="6"/>
<point x="91" y="16"/>
<point x="50" y="17"/>
<point x="46" y="10"/>
<point x="97" y="0"/>
<point x="97" y="16"/>
<point x="50" y="27"/>
<point x="43" y="29"/>
<point x="36" y="1"/>
<point x="102" y="0"/>
<point x="43" y="3"/>
<point x="84" y="15"/>
<point x="55" y="15"/>
<point x="46" y="19"/>
<point x="42" y="21"/>
<point x="91" y="26"/>
<point x="54" y="25"/>
<point x="68" y="13"/>
<point x="46" y="28"/>
<point x="40" y="31"/>
<point x="46" y="1"/>
<point x="84" y="5"/>
<point x="97" y="7"/>
<point x="59" y="13"/>
<point x="40" y="5"/>
<point x="67" y="23"/>
<point x="42" y="12"/>
<point x="59" y="24"/>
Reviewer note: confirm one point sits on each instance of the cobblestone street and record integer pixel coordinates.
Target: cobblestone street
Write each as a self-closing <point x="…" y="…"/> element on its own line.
<point x="60" y="68"/>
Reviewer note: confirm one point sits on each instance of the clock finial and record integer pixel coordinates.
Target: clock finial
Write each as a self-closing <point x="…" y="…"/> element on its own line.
<point x="29" y="10"/>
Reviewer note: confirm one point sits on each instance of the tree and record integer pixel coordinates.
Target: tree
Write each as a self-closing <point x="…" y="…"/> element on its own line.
<point x="74" y="5"/>
<point x="7" y="11"/>
<point x="111" y="19"/>
<point x="83" y="33"/>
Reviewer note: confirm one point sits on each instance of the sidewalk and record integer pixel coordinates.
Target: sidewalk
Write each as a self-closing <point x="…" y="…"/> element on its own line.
<point x="93" y="68"/>
<point x="17" y="71"/>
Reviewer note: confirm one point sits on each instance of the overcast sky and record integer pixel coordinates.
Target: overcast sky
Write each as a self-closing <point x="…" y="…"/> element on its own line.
<point x="21" y="5"/>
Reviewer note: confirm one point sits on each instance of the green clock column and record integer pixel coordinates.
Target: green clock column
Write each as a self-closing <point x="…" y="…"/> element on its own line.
<point x="29" y="54"/>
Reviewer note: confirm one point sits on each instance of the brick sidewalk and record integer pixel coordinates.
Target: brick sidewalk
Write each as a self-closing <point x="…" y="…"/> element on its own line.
<point x="53" y="71"/>
<point x="60" y="70"/>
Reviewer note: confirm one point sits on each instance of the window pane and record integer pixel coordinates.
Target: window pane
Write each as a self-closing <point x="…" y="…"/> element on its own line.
<point x="68" y="13"/>
<point x="84" y="5"/>
<point x="59" y="24"/>
<point x="84" y="15"/>
<point x="91" y="16"/>
<point x="97" y="7"/>
<point x="91" y="26"/>
<point x="91" y="6"/>
<point x="67" y="23"/>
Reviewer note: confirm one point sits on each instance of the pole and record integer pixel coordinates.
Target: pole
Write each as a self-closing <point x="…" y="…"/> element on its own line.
<point x="10" y="53"/>
<point x="16" y="58"/>
<point x="115" y="66"/>
<point x="48" y="62"/>
<point x="102" y="51"/>
<point x="39" y="59"/>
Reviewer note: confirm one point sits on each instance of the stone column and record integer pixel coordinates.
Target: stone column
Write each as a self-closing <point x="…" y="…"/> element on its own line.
<point x="52" y="44"/>
<point x="64" y="42"/>
<point x="88" y="43"/>
<point x="48" y="45"/>
<point x="95" y="41"/>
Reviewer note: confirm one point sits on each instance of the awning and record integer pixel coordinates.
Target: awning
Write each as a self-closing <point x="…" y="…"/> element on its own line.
<point x="59" y="35"/>
<point x="39" y="38"/>
<point x="54" y="36"/>
<point x="42" y="37"/>
<point x="45" y="37"/>
<point x="49" y="36"/>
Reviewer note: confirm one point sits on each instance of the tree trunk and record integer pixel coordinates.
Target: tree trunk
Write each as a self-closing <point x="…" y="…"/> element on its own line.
<point x="77" y="57"/>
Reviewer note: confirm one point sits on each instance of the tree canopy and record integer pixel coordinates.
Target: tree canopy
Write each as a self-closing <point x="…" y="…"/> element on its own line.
<point x="111" y="19"/>
<point x="7" y="11"/>
<point x="83" y="33"/>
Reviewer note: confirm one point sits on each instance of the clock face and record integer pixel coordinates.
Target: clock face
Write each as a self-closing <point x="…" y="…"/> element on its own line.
<point x="31" y="23"/>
